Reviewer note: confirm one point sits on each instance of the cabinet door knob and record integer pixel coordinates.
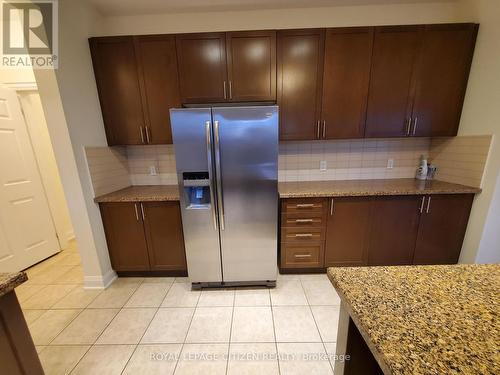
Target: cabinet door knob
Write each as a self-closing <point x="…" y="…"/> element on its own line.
<point x="230" y="90"/>
<point x="318" y="129"/>
<point x="225" y="93"/>
<point x="415" y="121"/>
<point x="324" y="129"/>
<point x="331" y="207"/>
<point x="142" y="212"/>
<point x="147" y="134"/>
<point x="303" y="235"/>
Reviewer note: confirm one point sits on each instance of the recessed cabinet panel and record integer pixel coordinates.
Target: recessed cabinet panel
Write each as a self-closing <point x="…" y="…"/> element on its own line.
<point x="202" y="67"/>
<point x="117" y="79"/>
<point x="393" y="230"/>
<point x="160" y="84"/>
<point x="163" y="228"/>
<point x="443" y="70"/>
<point x="300" y="77"/>
<point x="125" y="236"/>
<point x="347" y="232"/>
<point x="390" y="98"/>
<point x="442" y="228"/>
<point x="346" y="74"/>
<point x="251" y="66"/>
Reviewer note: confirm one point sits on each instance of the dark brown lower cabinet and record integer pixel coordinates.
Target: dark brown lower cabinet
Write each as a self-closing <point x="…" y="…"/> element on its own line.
<point x="125" y="236"/>
<point x="144" y="236"/>
<point x="373" y="231"/>
<point x="163" y="227"/>
<point x="442" y="228"/>
<point x="393" y="230"/>
<point x="347" y="232"/>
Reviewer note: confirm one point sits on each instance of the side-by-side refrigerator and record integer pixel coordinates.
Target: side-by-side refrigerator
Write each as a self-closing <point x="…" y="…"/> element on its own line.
<point x="227" y="167"/>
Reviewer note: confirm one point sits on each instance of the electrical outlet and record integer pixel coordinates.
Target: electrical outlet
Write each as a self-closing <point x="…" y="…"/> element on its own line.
<point x="322" y="165"/>
<point x="152" y="170"/>
<point x="390" y="163"/>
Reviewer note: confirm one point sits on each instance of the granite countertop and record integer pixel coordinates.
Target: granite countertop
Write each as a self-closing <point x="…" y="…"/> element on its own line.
<point x="8" y="281"/>
<point x="351" y="188"/>
<point x="143" y="193"/>
<point x="304" y="189"/>
<point x="426" y="319"/>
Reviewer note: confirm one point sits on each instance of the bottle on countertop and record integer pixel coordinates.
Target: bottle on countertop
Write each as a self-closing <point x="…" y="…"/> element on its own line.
<point x="422" y="169"/>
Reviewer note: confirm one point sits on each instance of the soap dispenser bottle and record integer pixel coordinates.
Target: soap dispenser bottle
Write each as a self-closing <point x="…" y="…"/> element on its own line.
<point x="422" y="169"/>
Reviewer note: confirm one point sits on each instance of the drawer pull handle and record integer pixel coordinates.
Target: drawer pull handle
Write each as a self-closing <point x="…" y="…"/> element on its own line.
<point x="305" y="205"/>
<point x="302" y="255"/>
<point x="304" y="220"/>
<point x="303" y="235"/>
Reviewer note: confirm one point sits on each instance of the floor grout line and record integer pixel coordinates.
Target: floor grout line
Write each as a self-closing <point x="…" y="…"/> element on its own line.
<point x="317" y="327"/>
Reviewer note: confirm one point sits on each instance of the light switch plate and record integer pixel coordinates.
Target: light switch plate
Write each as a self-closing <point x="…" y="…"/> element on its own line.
<point x="322" y="165"/>
<point x="390" y="163"/>
<point x="152" y="170"/>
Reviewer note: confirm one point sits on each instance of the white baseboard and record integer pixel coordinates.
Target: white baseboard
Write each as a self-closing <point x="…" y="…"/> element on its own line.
<point x="99" y="282"/>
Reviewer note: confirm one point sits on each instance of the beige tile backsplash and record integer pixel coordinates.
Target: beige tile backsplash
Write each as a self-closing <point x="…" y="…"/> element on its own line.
<point x="351" y="159"/>
<point x="108" y="168"/>
<point x="459" y="160"/>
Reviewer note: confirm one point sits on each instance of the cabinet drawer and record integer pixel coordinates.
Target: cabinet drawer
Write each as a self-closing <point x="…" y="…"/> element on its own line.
<point x="303" y="205"/>
<point x="303" y="220"/>
<point x="302" y="234"/>
<point x="302" y="255"/>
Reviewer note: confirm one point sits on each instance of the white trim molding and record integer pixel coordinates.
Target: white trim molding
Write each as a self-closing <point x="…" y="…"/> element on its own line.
<point x="99" y="282"/>
<point x="21" y="86"/>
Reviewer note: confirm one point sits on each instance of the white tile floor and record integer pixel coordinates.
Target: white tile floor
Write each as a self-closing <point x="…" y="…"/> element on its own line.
<point x="160" y="326"/>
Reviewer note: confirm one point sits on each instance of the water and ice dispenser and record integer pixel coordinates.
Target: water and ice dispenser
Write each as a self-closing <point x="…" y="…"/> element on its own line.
<point x="196" y="190"/>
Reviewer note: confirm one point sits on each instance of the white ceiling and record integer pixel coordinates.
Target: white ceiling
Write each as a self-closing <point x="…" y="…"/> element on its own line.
<point x="135" y="7"/>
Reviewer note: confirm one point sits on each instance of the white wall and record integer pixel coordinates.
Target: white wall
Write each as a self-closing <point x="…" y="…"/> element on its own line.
<point x="73" y="113"/>
<point x="282" y="18"/>
<point x="481" y="115"/>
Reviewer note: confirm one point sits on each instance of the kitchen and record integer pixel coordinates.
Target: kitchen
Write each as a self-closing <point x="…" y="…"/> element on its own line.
<point x="352" y="111"/>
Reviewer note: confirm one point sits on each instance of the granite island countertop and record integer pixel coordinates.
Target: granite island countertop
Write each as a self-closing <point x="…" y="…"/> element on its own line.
<point x="305" y="189"/>
<point x="426" y="319"/>
<point x="8" y="281"/>
<point x="352" y="188"/>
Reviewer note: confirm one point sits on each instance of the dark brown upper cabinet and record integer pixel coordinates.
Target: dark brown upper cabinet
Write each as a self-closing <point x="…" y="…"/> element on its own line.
<point x="300" y="77"/>
<point x="137" y="81"/>
<point x="443" y="70"/>
<point x="442" y="228"/>
<point x="222" y="67"/>
<point x="418" y="79"/>
<point x="251" y="66"/>
<point x="157" y="62"/>
<point x="346" y="75"/>
<point x="393" y="66"/>
<point x="117" y="80"/>
<point x="202" y="67"/>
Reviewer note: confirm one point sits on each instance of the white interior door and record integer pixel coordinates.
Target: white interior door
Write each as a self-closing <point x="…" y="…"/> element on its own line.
<point x="27" y="233"/>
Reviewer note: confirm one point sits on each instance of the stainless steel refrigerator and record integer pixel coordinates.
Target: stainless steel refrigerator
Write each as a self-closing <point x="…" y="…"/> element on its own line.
<point x="227" y="168"/>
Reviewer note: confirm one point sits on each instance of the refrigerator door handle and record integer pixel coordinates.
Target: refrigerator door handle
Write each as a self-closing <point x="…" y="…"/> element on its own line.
<point x="220" y="203"/>
<point x="210" y="171"/>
